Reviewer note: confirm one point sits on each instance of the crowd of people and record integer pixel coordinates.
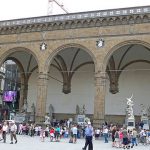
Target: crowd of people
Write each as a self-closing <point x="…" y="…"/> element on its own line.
<point x="120" y="136"/>
<point x="123" y="137"/>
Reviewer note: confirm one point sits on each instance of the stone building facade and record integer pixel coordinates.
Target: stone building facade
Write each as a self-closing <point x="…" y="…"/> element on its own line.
<point x="125" y="34"/>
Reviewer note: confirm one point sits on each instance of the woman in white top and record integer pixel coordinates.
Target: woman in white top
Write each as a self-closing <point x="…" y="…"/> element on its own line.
<point x="13" y="130"/>
<point x="74" y="131"/>
<point x="105" y="133"/>
<point x="5" y="130"/>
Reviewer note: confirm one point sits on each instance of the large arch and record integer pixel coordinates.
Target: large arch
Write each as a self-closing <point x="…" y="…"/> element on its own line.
<point x="74" y="67"/>
<point x="16" y="49"/>
<point x="127" y="66"/>
<point x="26" y="69"/>
<point x="51" y="56"/>
<point x="119" y="45"/>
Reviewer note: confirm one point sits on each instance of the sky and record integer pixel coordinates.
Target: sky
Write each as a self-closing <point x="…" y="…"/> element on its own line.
<point x="15" y="9"/>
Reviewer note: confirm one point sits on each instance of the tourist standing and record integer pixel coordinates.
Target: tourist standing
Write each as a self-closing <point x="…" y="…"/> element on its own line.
<point x="5" y="130"/>
<point x="52" y="133"/>
<point x="20" y="128"/>
<point x="113" y="131"/>
<point x="97" y="133"/>
<point x="46" y="130"/>
<point x="134" y="136"/>
<point x="13" y="130"/>
<point x="32" y="130"/>
<point x="57" y="133"/>
<point x="74" y="131"/>
<point x="105" y="133"/>
<point x="42" y="134"/>
<point x="117" y="140"/>
<point x="125" y="138"/>
<point x="88" y="137"/>
<point x="1" y="132"/>
<point x="36" y="130"/>
<point x="120" y="137"/>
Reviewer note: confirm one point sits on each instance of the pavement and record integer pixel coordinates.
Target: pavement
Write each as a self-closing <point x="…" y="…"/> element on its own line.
<point x="34" y="143"/>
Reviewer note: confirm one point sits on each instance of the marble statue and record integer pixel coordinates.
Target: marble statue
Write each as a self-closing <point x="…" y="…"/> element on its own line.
<point x="33" y="108"/>
<point x="83" y="110"/>
<point x="25" y="106"/>
<point x="80" y="111"/>
<point x="77" y="110"/>
<point x="47" y="120"/>
<point x="51" y="111"/>
<point x="130" y="120"/>
<point x="130" y="107"/>
<point x="144" y="110"/>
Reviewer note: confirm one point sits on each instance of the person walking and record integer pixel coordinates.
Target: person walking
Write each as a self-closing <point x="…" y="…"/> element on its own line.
<point x="20" y="128"/>
<point x="46" y="131"/>
<point x="97" y="133"/>
<point x="88" y="137"/>
<point x="117" y="139"/>
<point x="74" y="131"/>
<point x="13" y="130"/>
<point x="4" y="131"/>
<point x="105" y="133"/>
<point x="133" y="138"/>
<point x="52" y="134"/>
<point x="113" y="131"/>
<point x="42" y="134"/>
<point x="1" y="138"/>
<point x="57" y="133"/>
<point x="125" y="138"/>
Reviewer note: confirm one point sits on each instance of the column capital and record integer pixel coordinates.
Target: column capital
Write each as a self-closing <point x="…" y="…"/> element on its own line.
<point x="42" y="79"/>
<point x="100" y="74"/>
<point x="42" y="75"/>
<point x="100" y="79"/>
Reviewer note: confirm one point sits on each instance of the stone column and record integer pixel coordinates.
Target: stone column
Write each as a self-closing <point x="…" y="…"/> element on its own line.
<point x="23" y="91"/>
<point x="41" y="97"/>
<point x="99" y="102"/>
<point x="21" y="100"/>
<point x="23" y="96"/>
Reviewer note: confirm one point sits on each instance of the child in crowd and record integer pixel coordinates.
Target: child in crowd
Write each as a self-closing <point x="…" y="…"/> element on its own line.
<point x="42" y="134"/>
<point x="52" y="134"/>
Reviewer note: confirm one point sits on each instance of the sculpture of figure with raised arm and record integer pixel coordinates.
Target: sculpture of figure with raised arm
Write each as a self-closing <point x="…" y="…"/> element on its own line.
<point x="130" y="106"/>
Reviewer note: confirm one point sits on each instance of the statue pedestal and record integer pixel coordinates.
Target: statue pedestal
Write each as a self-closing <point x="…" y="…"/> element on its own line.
<point x="20" y="117"/>
<point x="130" y="123"/>
<point x="80" y="119"/>
<point x="32" y="118"/>
<point x="145" y="120"/>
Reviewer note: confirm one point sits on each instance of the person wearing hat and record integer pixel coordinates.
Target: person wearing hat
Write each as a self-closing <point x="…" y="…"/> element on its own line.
<point x="13" y="130"/>
<point x="88" y="137"/>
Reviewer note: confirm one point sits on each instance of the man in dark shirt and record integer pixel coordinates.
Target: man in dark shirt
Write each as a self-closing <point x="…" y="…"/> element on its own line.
<point x="1" y="132"/>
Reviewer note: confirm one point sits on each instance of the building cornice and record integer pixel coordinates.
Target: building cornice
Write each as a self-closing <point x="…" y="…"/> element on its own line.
<point x="111" y="17"/>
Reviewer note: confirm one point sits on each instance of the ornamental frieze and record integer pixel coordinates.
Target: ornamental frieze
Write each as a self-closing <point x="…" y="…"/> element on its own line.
<point x="113" y="17"/>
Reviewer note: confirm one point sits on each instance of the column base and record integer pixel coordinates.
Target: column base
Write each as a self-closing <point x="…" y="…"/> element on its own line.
<point x="39" y="119"/>
<point x="97" y="123"/>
